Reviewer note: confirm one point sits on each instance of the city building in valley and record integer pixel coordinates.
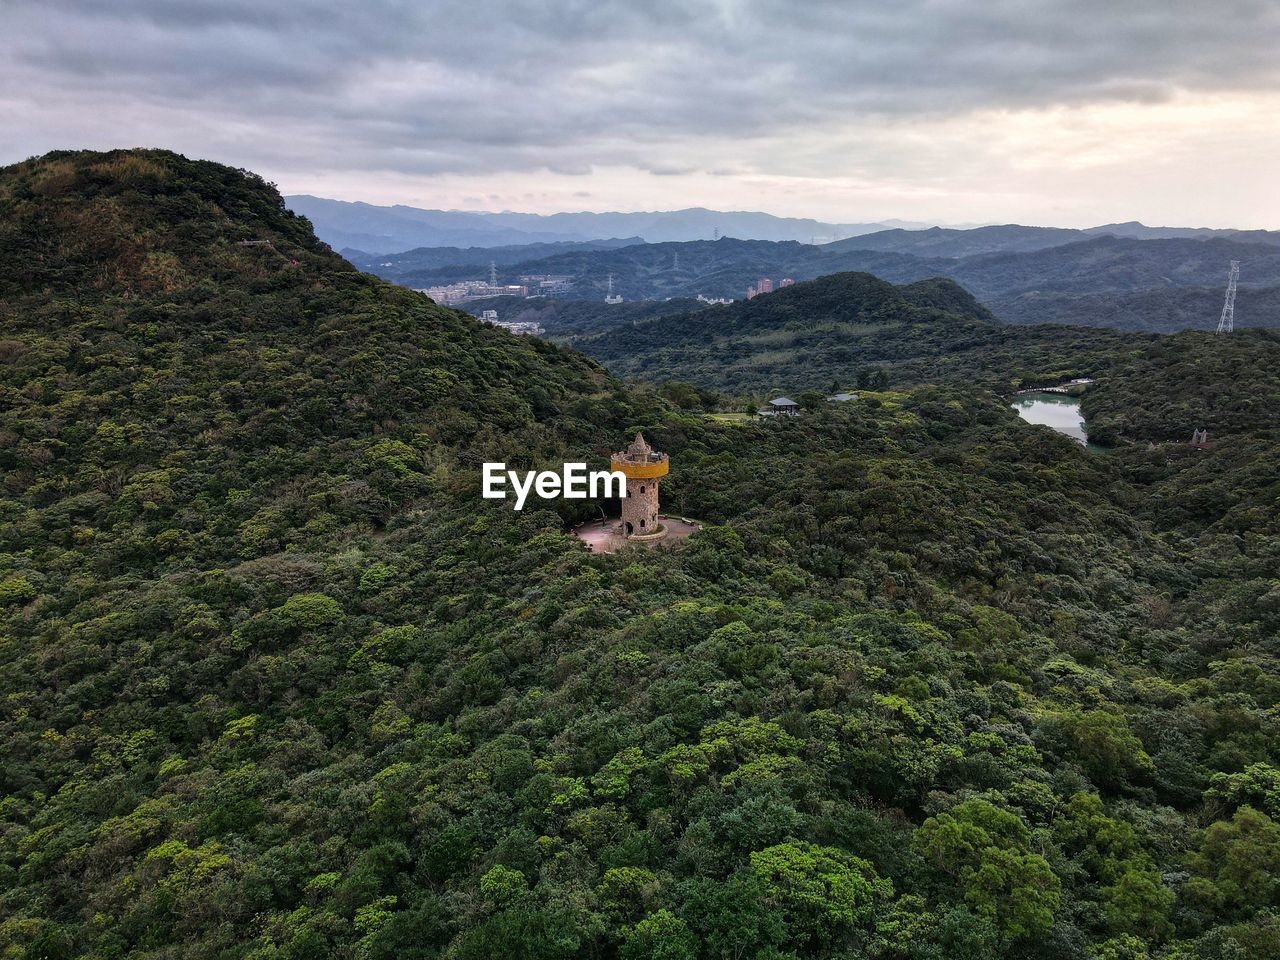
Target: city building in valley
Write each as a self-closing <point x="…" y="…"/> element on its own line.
<point x="522" y="327"/>
<point x="543" y="284"/>
<point x="452" y="293"/>
<point x="786" y="282"/>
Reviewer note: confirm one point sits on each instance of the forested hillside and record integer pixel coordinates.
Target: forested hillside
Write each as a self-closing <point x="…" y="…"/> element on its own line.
<point x="565" y="320"/>
<point x="1117" y="266"/>
<point x="277" y="683"/>
<point x="1156" y="310"/>
<point x="838" y="330"/>
<point x="1227" y="384"/>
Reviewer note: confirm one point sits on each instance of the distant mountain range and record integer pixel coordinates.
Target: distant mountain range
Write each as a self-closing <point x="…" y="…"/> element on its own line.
<point x="951" y="242"/>
<point x="380" y="230"/>
<point x="1022" y="274"/>
<point x="1015" y="238"/>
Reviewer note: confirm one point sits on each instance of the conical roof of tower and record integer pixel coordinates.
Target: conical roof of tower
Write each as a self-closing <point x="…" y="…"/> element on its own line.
<point x="639" y="446"/>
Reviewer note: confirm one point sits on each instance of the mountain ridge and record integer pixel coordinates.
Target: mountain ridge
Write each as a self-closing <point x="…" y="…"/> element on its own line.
<point x="395" y="229"/>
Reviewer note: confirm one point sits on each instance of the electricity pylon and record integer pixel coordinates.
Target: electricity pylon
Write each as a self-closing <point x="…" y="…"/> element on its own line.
<point x="1227" y="322"/>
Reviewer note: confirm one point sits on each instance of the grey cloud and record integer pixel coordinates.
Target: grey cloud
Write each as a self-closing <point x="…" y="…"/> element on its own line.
<point x="474" y="87"/>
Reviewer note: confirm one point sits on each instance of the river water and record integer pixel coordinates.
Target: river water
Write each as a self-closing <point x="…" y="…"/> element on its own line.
<point x="1056" y="410"/>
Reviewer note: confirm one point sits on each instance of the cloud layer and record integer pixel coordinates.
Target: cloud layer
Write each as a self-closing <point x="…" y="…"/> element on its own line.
<point x="789" y="106"/>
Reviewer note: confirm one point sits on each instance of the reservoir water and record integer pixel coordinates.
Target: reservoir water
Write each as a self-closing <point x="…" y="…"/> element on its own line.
<point x="1055" y="410"/>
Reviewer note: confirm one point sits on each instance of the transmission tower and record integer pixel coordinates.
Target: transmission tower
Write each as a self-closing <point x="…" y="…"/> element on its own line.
<point x="493" y="273"/>
<point x="1227" y="322"/>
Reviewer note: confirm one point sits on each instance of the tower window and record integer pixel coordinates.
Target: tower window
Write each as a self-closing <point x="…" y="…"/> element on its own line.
<point x="642" y="524"/>
<point x="642" y="488"/>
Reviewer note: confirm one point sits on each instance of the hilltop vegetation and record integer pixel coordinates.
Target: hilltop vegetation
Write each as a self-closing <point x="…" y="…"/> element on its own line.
<point x="277" y="683"/>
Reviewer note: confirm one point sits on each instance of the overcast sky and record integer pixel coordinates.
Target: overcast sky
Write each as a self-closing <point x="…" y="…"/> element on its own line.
<point x="1065" y="113"/>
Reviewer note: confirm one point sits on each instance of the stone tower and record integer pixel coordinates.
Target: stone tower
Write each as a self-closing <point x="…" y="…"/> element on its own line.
<point x="643" y="467"/>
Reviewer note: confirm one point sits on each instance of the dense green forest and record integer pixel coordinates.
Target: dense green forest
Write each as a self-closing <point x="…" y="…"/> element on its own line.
<point x="931" y="683"/>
